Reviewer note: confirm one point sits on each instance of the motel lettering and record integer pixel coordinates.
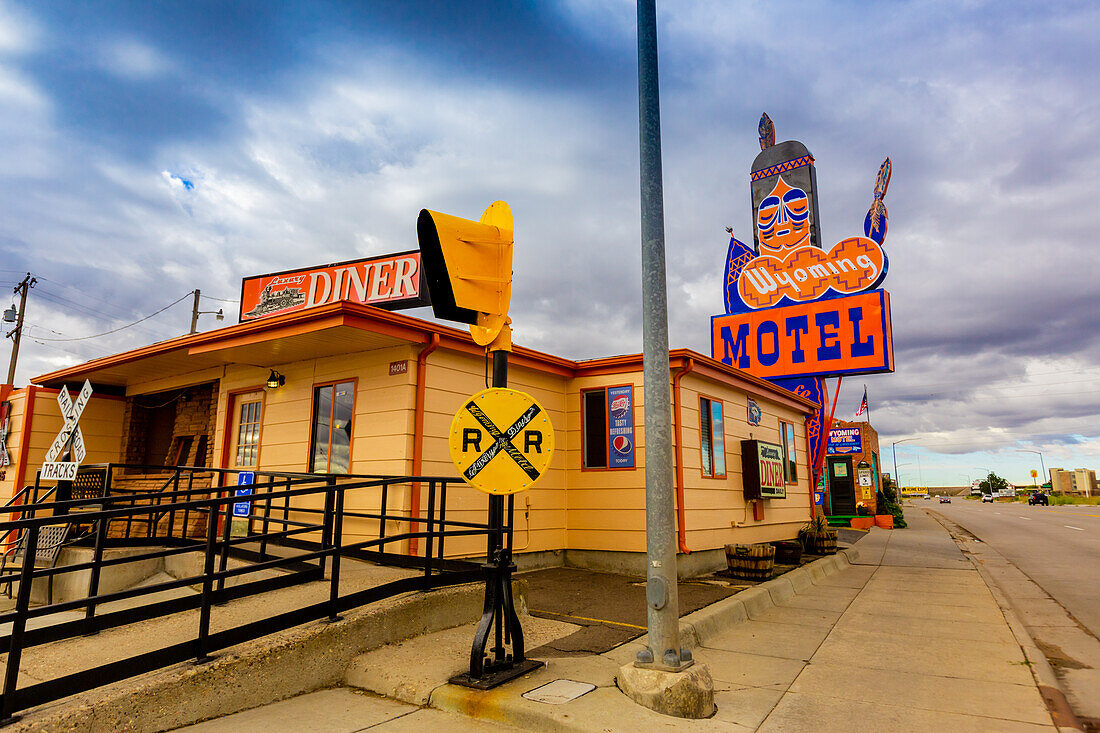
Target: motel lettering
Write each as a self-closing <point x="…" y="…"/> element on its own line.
<point x="834" y="336"/>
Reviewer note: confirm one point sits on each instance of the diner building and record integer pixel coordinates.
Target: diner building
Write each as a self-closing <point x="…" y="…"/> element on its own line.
<point x="349" y="388"/>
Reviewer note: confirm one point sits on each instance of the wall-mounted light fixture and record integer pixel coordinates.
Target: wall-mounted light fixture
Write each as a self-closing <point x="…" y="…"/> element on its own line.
<point x="275" y="380"/>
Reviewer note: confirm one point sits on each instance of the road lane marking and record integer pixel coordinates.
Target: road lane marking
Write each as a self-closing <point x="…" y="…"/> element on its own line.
<point x="1027" y="518"/>
<point x="1070" y="526"/>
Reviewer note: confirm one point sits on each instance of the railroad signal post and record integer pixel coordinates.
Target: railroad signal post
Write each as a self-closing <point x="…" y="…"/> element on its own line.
<point x="501" y="440"/>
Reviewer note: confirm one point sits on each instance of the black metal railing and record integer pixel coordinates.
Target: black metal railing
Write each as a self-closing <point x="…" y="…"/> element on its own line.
<point x="276" y="530"/>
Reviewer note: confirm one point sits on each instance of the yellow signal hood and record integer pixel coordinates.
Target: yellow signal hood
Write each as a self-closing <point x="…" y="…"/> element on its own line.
<point x="468" y="267"/>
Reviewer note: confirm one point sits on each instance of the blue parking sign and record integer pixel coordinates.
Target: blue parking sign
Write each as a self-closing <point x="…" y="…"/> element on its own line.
<point x="245" y="480"/>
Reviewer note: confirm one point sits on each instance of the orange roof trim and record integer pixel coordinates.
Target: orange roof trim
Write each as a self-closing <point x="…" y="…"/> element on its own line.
<point x="415" y="330"/>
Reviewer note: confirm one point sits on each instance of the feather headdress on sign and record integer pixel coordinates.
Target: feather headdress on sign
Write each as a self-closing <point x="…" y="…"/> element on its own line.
<point x="878" y="207"/>
<point x="767" y="132"/>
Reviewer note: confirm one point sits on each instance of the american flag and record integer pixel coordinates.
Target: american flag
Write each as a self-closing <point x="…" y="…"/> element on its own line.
<point x="862" y="405"/>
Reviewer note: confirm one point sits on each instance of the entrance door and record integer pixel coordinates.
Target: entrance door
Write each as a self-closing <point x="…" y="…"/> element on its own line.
<point x="246" y="414"/>
<point x="244" y="449"/>
<point x="842" y="493"/>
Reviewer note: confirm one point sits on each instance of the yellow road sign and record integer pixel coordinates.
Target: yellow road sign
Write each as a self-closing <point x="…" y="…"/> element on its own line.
<point x="501" y="440"/>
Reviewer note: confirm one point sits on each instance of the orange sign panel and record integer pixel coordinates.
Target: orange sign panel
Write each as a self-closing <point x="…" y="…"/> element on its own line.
<point x="392" y="282"/>
<point x="829" y="337"/>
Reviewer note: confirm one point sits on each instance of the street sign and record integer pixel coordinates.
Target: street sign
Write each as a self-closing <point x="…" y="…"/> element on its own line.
<point x="59" y="471"/>
<point x="501" y="441"/>
<point x="245" y="479"/>
<point x="70" y="431"/>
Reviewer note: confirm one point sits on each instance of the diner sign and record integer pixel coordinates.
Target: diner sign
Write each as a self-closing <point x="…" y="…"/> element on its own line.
<point x="391" y="282"/>
<point x="762" y="470"/>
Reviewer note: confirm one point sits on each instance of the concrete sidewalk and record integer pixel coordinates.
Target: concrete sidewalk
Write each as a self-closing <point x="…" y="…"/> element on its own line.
<point x="905" y="637"/>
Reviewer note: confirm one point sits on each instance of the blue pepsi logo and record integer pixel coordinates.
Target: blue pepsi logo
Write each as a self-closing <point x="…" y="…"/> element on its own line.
<point x="621" y="444"/>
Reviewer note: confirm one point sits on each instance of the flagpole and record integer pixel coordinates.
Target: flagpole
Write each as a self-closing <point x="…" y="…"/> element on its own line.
<point x="868" y="418"/>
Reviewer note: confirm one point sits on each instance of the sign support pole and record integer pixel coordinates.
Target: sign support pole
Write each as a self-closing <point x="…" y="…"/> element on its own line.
<point x="493" y="664"/>
<point x="663" y="617"/>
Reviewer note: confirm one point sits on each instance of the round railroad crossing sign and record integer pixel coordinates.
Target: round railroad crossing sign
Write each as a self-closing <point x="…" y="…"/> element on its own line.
<point x="501" y="440"/>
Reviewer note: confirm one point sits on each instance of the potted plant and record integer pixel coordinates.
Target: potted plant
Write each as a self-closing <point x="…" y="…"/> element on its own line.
<point x="863" y="518"/>
<point x="816" y="536"/>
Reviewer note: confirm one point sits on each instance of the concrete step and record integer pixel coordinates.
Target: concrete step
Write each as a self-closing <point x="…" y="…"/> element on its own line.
<point x="410" y="670"/>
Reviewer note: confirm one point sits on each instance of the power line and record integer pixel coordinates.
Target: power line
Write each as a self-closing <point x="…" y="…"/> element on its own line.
<point x="220" y="300"/>
<point x="65" y="302"/>
<point x="116" y="330"/>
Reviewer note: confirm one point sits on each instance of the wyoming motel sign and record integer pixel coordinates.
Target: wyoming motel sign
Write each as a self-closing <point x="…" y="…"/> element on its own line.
<point x="501" y="441"/>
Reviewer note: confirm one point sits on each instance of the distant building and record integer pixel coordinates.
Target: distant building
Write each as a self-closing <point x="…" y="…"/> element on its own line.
<point x="1080" y="481"/>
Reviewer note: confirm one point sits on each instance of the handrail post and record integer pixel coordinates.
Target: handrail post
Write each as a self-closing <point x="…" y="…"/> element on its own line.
<point x="227" y="523"/>
<point x="337" y="540"/>
<point x="19" y="623"/>
<point x="267" y="516"/>
<point x="326" y="520"/>
<point x="385" y="515"/>
<point x="430" y="526"/>
<point x="207" y="586"/>
<point x="442" y="517"/>
<point x="97" y="561"/>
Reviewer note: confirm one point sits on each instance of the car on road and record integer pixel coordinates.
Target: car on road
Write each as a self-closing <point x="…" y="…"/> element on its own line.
<point x="987" y="497"/>
<point x="945" y="499"/>
<point x="1038" y="498"/>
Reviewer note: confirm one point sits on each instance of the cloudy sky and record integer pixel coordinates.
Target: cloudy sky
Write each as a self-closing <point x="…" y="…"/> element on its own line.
<point x="153" y="148"/>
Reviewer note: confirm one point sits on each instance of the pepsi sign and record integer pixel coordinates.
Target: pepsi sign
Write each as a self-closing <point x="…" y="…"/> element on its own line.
<point x="620" y="426"/>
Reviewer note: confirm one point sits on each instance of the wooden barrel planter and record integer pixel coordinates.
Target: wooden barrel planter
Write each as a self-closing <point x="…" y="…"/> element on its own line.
<point x="787" y="552"/>
<point x="820" y="544"/>
<point x="751" y="562"/>
<point x="886" y="521"/>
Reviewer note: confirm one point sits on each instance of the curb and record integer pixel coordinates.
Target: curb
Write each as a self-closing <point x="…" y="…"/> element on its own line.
<point x="505" y="705"/>
<point x="1045" y="679"/>
<point x="1050" y="688"/>
<point x="701" y="626"/>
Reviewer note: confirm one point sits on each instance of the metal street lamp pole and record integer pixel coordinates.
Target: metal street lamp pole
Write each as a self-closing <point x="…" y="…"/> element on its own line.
<point x="894" y="453"/>
<point x="22" y="288"/>
<point x="1041" y="463"/>
<point x="663" y="606"/>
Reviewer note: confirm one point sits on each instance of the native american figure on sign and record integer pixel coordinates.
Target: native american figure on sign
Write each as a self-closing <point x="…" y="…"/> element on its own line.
<point x="789" y="264"/>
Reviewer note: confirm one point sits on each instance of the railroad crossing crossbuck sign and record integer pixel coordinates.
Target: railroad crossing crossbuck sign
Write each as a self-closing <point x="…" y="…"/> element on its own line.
<point x="501" y="440"/>
<point x="70" y="432"/>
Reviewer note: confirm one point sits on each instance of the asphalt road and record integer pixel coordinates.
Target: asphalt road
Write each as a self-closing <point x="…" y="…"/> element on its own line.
<point x="1058" y="547"/>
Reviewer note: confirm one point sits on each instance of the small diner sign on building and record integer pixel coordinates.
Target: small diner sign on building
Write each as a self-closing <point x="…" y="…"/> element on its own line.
<point x="391" y="282"/>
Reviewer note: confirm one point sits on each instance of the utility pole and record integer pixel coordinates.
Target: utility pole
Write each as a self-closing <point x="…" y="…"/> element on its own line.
<point x="195" y="312"/>
<point x="22" y="288"/>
